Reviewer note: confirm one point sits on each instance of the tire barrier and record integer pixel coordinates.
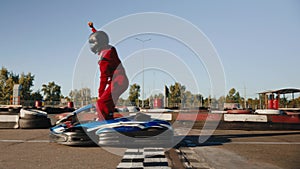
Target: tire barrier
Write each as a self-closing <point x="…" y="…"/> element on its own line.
<point x="40" y="123"/>
<point x="32" y="114"/>
<point x="14" y="109"/>
<point x="33" y="119"/>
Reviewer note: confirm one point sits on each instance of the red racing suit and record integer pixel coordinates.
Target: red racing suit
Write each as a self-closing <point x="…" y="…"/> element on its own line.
<point x="113" y="82"/>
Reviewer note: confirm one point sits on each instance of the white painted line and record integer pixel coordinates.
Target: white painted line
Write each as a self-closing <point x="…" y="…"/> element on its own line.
<point x="130" y="165"/>
<point x="155" y="160"/>
<point x="157" y="167"/>
<point x="153" y="149"/>
<point x="25" y="141"/>
<point x="137" y="150"/>
<point x="38" y="141"/>
<point x="133" y="157"/>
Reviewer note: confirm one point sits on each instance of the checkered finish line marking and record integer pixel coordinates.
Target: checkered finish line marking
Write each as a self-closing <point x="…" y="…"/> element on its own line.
<point x="143" y="158"/>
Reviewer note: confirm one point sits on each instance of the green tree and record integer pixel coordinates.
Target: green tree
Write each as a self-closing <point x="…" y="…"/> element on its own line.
<point x="27" y="82"/>
<point x="9" y="79"/>
<point x="188" y="99"/>
<point x="134" y="94"/>
<point x="3" y="75"/>
<point x="233" y="96"/>
<point x="3" y="79"/>
<point x="253" y="103"/>
<point x="176" y="94"/>
<point x="8" y="88"/>
<point x="295" y="103"/>
<point x="36" y="95"/>
<point x="51" y="91"/>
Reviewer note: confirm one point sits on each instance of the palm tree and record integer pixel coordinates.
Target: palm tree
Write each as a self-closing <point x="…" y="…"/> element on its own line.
<point x="51" y="92"/>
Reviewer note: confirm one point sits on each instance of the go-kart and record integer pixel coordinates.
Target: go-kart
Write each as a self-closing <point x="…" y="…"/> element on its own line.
<point x="137" y="130"/>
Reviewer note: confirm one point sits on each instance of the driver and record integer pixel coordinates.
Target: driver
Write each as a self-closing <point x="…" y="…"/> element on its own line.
<point x="113" y="79"/>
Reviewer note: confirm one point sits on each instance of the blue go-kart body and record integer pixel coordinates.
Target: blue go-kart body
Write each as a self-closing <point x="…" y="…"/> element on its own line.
<point x="136" y="130"/>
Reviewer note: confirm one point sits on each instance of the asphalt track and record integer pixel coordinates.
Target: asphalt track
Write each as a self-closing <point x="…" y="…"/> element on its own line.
<point x="244" y="149"/>
<point x="21" y="148"/>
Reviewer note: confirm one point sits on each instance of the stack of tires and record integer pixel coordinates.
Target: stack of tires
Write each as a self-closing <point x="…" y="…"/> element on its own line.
<point x="9" y="117"/>
<point x="33" y="119"/>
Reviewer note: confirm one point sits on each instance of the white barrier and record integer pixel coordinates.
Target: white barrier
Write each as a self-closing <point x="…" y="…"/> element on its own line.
<point x="9" y="121"/>
<point x="268" y="111"/>
<point x="245" y="118"/>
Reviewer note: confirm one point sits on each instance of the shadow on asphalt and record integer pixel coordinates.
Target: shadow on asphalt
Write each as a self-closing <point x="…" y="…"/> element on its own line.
<point x="193" y="140"/>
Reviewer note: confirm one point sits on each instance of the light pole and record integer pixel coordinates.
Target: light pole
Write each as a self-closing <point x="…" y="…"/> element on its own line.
<point x="143" y="41"/>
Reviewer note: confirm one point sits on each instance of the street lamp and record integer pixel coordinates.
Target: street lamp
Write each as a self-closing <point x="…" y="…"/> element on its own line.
<point x="143" y="41"/>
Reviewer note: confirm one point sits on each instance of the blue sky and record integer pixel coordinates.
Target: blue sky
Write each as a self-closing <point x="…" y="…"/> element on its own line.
<point x="256" y="41"/>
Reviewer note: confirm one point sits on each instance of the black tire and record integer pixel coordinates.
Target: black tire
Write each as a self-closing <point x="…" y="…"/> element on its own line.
<point x="30" y="116"/>
<point x="3" y="109"/>
<point x="14" y="109"/>
<point x="74" y="138"/>
<point x="35" y="123"/>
